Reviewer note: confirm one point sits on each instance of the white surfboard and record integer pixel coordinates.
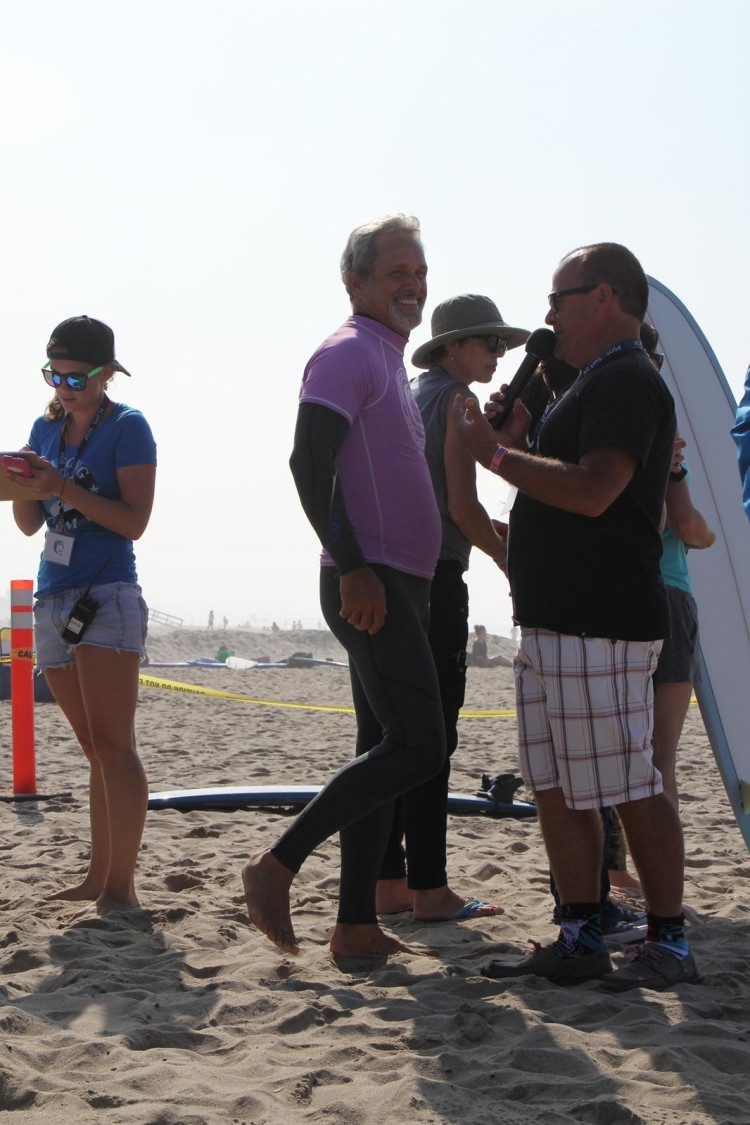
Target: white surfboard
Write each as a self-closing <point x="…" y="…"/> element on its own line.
<point x="720" y="575"/>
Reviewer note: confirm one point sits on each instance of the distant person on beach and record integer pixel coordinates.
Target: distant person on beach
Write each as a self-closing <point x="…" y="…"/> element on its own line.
<point x="741" y="435"/>
<point x="480" y="657"/>
<point x="583" y="562"/>
<point x="469" y="336"/>
<point x="90" y="617"/>
<point x="211" y="619"/>
<point x="361" y="473"/>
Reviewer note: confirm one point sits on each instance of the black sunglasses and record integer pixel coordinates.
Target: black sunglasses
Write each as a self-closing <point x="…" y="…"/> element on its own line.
<point x="555" y="298"/>
<point x="495" y="345"/>
<point x="657" y="358"/>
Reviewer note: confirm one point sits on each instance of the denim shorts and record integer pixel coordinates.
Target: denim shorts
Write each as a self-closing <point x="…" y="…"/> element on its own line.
<point x="120" y="622"/>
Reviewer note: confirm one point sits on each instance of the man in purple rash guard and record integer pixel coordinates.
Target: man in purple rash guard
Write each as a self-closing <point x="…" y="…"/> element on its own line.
<point x="360" y="470"/>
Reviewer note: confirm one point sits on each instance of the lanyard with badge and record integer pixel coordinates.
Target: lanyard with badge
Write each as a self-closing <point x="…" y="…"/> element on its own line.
<point x="617" y="349"/>
<point x="58" y="544"/>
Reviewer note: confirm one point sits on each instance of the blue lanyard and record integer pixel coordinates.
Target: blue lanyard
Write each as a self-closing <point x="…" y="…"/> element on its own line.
<point x="616" y="349"/>
<point x="84" y="442"/>
<point x="551" y="405"/>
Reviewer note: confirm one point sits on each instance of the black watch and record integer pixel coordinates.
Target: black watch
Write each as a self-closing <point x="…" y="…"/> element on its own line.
<point x="679" y="475"/>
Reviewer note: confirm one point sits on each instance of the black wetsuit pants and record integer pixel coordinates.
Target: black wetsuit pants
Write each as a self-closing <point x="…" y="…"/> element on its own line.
<point x="421" y="814"/>
<point x="394" y="684"/>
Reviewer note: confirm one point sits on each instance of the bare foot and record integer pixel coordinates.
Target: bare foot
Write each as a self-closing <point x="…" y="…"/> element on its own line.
<point x="624" y="881"/>
<point x="267" y="882"/>
<point x="84" y="892"/>
<point x="105" y="904"/>
<point x="392" y="896"/>
<point x="368" y="940"/>
<point x="444" y="905"/>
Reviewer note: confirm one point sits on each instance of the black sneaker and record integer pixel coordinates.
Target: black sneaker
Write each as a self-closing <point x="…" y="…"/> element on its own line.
<point x="546" y="962"/>
<point x="623" y="926"/>
<point x="652" y="966"/>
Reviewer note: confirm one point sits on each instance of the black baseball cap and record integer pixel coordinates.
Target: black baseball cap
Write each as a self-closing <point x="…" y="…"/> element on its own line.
<point x="85" y="339"/>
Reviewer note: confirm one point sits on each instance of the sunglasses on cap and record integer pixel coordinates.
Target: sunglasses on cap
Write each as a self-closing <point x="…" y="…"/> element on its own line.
<point x="495" y="345"/>
<point x="76" y="382"/>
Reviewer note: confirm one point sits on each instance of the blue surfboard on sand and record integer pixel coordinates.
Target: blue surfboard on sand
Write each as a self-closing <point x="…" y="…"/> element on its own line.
<point x="492" y="802"/>
<point x="720" y="576"/>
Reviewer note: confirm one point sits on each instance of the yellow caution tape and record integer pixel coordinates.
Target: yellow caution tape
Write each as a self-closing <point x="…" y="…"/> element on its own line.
<point x="192" y="689"/>
<point x="506" y="714"/>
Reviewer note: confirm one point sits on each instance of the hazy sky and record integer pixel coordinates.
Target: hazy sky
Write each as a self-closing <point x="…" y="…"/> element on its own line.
<point x="189" y="173"/>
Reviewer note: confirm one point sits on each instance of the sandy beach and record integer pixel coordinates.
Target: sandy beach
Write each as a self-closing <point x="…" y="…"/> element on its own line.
<point x="182" y="1013"/>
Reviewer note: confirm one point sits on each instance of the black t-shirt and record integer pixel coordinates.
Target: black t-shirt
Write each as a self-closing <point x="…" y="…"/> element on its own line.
<point x="599" y="576"/>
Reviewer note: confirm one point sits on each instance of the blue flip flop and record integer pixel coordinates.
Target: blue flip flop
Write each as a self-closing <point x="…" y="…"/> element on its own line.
<point x="471" y="909"/>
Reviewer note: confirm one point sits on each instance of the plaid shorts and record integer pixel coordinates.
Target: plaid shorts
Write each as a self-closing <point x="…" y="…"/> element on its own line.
<point x="585" y="717"/>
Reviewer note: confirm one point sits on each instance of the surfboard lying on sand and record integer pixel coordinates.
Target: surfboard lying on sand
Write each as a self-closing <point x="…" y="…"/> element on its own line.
<point x="231" y="798"/>
<point x="720" y="576"/>
<point x="185" y="664"/>
<point x="240" y="664"/>
<point x="237" y="663"/>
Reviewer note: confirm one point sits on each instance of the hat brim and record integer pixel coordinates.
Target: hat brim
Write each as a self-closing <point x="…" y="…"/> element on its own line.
<point x="118" y="367"/>
<point x="514" y="336"/>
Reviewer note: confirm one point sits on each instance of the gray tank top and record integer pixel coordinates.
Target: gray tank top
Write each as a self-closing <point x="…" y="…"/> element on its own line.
<point x="434" y="391"/>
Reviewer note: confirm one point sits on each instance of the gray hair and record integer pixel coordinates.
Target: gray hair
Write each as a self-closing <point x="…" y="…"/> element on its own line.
<point x="361" y="250"/>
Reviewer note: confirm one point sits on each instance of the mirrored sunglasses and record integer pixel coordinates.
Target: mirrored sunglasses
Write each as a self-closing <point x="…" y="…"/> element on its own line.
<point x="77" y="381"/>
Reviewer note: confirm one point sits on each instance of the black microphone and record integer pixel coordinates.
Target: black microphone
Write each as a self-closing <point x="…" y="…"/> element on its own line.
<point x="540" y="345"/>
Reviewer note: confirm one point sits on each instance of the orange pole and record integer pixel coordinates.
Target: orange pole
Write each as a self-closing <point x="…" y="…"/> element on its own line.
<point x="22" y="685"/>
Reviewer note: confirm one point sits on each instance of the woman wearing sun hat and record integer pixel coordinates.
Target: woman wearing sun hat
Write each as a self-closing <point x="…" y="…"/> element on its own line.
<point x="99" y="467"/>
<point x="469" y="336"/>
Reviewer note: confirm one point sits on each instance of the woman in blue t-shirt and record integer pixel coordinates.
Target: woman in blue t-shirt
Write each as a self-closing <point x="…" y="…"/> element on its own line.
<point x="92" y="487"/>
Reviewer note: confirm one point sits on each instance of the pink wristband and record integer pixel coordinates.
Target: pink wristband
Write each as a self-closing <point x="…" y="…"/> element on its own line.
<point x="497" y="458"/>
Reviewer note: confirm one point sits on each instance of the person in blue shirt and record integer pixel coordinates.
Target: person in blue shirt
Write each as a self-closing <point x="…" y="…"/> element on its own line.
<point x="92" y="489"/>
<point x="741" y="435"/>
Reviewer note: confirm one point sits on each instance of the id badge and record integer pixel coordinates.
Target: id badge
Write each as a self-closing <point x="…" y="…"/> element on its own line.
<point x="58" y="547"/>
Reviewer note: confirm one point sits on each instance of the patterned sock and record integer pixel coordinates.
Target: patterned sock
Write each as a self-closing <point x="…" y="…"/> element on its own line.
<point x="669" y="933"/>
<point x="580" y="930"/>
<point x="590" y="936"/>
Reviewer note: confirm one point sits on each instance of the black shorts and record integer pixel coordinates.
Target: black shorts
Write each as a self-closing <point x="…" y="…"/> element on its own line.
<point x="679" y="660"/>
